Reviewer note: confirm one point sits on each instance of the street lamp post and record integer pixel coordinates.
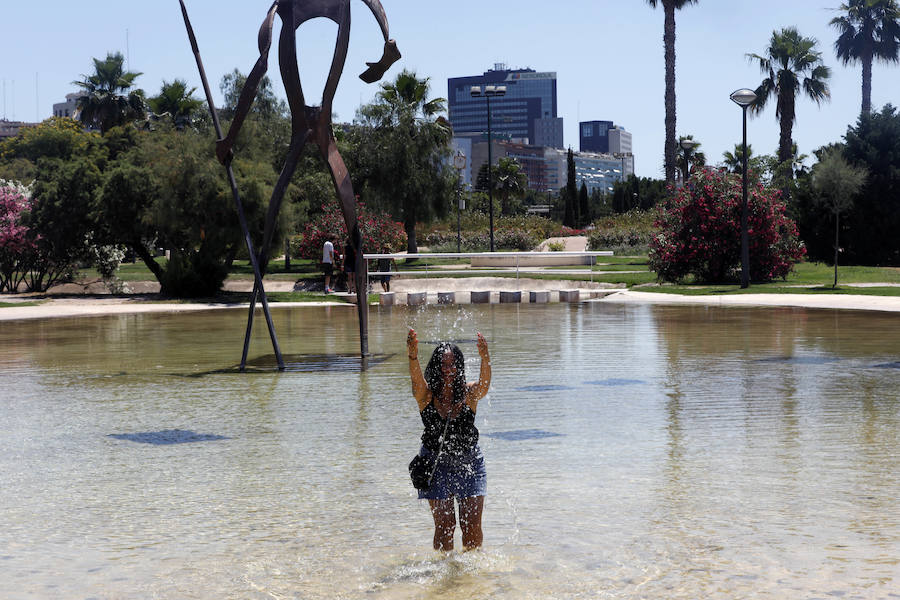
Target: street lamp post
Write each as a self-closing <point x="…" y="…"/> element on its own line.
<point x="687" y="145"/>
<point x="490" y="91"/>
<point x="459" y="161"/>
<point x="744" y="98"/>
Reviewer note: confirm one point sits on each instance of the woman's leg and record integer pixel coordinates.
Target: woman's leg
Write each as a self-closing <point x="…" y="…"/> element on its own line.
<point x="444" y="523"/>
<point x="470" y="521"/>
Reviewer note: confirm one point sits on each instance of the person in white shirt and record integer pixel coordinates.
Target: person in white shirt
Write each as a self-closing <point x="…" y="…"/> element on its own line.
<point x="328" y="264"/>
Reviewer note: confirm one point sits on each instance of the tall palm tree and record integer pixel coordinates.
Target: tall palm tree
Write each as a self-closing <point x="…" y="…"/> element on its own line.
<point x="669" y="8"/>
<point x="869" y="30"/>
<point x="108" y="101"/>
<point x="791" y="65"/>
<point x="409" y="169"/>
<point x="176" y="100"/>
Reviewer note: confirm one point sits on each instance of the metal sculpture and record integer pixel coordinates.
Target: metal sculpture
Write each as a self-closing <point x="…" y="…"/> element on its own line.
<point x="307" y="123"/>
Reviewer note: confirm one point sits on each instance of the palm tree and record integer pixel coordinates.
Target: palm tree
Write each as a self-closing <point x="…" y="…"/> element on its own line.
<point x="509" y="181"/>
<point x="408" y="144"/>
<point x="791" y="64"/>
<point x="696" y="158"/>
<point x="107" y="101"/>
<point x="869" y="30"/>
<point x="669" y="8"/>
<point x="734" y="161"/>
<point x="176" y="100"/>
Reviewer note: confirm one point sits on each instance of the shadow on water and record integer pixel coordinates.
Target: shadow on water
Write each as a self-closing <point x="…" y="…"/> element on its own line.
<point x="890" y="365"/>
<point x="613" y="382"/>
<point x="167" y="437"/>
<point x="800" y="360"/>
<point x="305" y="363"/>
<point x="543" y="388"/>
<point x="518" y="435"/>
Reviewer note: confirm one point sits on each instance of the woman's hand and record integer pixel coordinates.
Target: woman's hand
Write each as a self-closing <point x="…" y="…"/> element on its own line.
<point x="412" y="344"/>
<point x="482" y="346"/>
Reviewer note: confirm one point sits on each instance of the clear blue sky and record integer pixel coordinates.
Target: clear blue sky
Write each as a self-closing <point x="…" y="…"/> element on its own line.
<point x="608" y="56"/>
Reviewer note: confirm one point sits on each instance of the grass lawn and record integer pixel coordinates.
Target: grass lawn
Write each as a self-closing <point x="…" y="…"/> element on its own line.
<point x="17" y="304"/>
<point x="807" y="278"/>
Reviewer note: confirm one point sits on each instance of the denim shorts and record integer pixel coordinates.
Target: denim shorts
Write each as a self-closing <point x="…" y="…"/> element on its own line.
<point x="456" y="476"/>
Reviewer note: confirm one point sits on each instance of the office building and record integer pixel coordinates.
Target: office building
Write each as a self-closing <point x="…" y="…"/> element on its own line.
<point x="598" y="171"/>
<point x="526" y="114"/>
<point x="604" y="137"/>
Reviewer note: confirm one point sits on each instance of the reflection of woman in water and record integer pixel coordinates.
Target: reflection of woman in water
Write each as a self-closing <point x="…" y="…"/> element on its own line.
<point x="442" y="393"/>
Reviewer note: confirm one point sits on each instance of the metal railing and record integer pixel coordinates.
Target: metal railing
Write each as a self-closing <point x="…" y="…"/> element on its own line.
<point x="485" y="271"/>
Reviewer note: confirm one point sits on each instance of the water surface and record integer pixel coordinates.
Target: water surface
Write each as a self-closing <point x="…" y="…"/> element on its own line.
<point x="632" y="451"/>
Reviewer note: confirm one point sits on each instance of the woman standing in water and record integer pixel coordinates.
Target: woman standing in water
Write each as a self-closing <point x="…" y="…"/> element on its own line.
<point x="442" y="394"/>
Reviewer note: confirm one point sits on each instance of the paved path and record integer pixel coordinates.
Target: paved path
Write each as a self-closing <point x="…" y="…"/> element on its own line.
<point x="834" y="301"/>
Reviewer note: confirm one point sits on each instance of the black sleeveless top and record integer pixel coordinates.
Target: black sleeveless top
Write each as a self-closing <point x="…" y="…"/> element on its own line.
<point x="462" y="435"/>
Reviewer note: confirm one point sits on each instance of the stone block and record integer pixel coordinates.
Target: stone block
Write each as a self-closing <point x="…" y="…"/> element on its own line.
<point x="510" y="297"/>
<point x="569" y="296"/>
<point x="387" y="299"/>
<point x="416" y="298"/>
<point x="542" y="297"/>
<point x="446" y="297"/>
<point x="481" y="297"/>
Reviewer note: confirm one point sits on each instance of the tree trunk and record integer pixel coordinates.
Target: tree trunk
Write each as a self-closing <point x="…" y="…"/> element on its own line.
<point x="837" y="218"/>
<point x="148" y="260"/>
<point x="787" y="125"/>
<point x="867" y="83"/>
<point x="669" y="45"/>
<point x="409" y="224"/>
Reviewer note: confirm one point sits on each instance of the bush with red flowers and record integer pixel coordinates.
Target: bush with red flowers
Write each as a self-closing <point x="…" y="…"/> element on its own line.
<point x="700" y="232"/>
<point x="380" y="234"/>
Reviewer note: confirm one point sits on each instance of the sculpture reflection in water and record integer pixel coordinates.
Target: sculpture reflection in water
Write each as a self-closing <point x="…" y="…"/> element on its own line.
<point x="308" y="123"/>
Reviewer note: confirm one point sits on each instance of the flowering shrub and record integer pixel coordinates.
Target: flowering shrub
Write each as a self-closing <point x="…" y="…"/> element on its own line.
<point x="631" y="231"/>
<point x="16" y="249"/>
<point x="564" y="231"/>
<point x="700" y="232"/>
<point x="380" y="234"/>
<point x="480" y="241"/>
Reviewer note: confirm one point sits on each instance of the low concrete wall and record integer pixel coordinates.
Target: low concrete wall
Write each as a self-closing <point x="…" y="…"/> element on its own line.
<point x="531" y="261"/>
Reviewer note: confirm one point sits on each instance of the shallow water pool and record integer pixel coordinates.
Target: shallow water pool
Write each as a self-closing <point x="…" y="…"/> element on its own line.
<point x="632" y="451"/>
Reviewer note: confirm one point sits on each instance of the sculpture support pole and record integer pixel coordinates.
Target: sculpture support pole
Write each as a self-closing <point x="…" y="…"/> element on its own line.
<point x="240" y="210"/>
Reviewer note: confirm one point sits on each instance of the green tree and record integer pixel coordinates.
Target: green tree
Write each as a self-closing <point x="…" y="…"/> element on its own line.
<point x="109" y="99"/>
<point x="584" y="208"/>
<point x="177" y="101"/>
<point x="791" y="66"/>
<point x="836" y="183"/>
<point x="401" y="153"/>
<point x="510" y="183"/>
<point x="669" y="8"/>
<point x="266" y="105"/>
<point x="868" y="30"/>
<point x="871" y="234"/>
<point x="757" y="166"/>
<point x="570" y="193"/>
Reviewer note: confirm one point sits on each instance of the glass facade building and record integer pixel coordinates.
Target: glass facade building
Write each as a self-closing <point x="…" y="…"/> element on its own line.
<point x="530" y="97"/>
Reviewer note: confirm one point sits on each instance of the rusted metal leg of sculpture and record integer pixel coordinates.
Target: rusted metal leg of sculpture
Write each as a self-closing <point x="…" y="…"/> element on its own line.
<point x="284" y="179"/>
<point x="344" y="188"/>
<point x="234" y="189"/>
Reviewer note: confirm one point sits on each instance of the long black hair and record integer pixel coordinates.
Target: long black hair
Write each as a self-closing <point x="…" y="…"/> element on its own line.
<point x="434" y="376"/>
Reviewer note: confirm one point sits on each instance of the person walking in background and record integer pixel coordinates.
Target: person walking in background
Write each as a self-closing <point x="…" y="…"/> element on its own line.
<point x="384" y="266"/>
<point x="447" y="405"/>
<point x="328" y="264"/>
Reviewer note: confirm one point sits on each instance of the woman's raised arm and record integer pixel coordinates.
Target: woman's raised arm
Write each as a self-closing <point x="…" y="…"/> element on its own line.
<point x="419" y="387"/>
<point x="479" y="389"/>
